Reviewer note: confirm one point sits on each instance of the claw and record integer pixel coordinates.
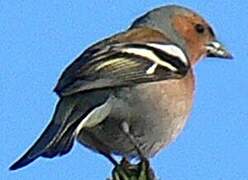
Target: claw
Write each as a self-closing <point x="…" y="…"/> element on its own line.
<point x="127" y="171"/>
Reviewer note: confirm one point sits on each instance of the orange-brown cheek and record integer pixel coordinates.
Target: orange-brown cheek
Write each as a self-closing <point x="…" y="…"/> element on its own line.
<point x="194" y="45"/>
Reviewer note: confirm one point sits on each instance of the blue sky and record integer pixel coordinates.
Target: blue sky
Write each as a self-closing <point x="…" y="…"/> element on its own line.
<point x="40" y="38"/>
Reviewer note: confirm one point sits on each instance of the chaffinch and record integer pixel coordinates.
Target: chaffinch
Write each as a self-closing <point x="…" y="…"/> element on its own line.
<point x="130" y="94"/>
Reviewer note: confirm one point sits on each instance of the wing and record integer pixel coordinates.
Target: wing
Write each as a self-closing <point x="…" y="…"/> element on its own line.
<point x="123" y="64"/>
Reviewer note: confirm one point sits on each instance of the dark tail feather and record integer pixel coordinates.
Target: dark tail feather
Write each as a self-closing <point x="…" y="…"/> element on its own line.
<point x="52" y="142"/>
<point x="58" y="137"/>
<point x="37" y="149"/>
<point x="63" y="145"/>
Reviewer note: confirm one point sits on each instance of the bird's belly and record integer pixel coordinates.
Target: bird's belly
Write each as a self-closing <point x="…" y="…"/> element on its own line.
<point x="155" y="113"/>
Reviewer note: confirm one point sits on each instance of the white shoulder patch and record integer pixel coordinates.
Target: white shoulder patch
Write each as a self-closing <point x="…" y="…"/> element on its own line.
<point x="172" y="50"/>
<point x="146" y="53"/>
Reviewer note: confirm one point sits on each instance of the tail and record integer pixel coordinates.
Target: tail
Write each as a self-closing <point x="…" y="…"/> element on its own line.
<point x="57" y="139"/>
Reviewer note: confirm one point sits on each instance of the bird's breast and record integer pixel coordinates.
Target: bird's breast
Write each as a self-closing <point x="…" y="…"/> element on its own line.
<point x="156" y="112"/>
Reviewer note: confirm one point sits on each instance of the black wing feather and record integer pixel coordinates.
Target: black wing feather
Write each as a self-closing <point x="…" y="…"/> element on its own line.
<point x="117" y="68"/>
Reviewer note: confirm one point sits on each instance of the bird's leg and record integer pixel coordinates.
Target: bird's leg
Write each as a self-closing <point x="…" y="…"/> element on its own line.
<point x="127" y="171"/>
<point x="126" y="130"/>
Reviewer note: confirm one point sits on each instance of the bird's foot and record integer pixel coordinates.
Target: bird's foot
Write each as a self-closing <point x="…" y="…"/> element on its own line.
<point x="127" y="171"/>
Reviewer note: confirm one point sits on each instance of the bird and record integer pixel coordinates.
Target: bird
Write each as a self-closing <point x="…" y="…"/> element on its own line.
<point x="130" y="94"/>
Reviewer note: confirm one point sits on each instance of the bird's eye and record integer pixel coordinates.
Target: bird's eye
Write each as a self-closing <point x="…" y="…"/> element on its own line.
<point x="199" y="28"/>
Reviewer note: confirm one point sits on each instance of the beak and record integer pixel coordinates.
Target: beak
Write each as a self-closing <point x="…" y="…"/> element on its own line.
<point x="216" y="49"/>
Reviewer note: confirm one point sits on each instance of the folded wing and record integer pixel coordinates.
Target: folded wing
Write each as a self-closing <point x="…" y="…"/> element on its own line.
<point x="123" y="64"/>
